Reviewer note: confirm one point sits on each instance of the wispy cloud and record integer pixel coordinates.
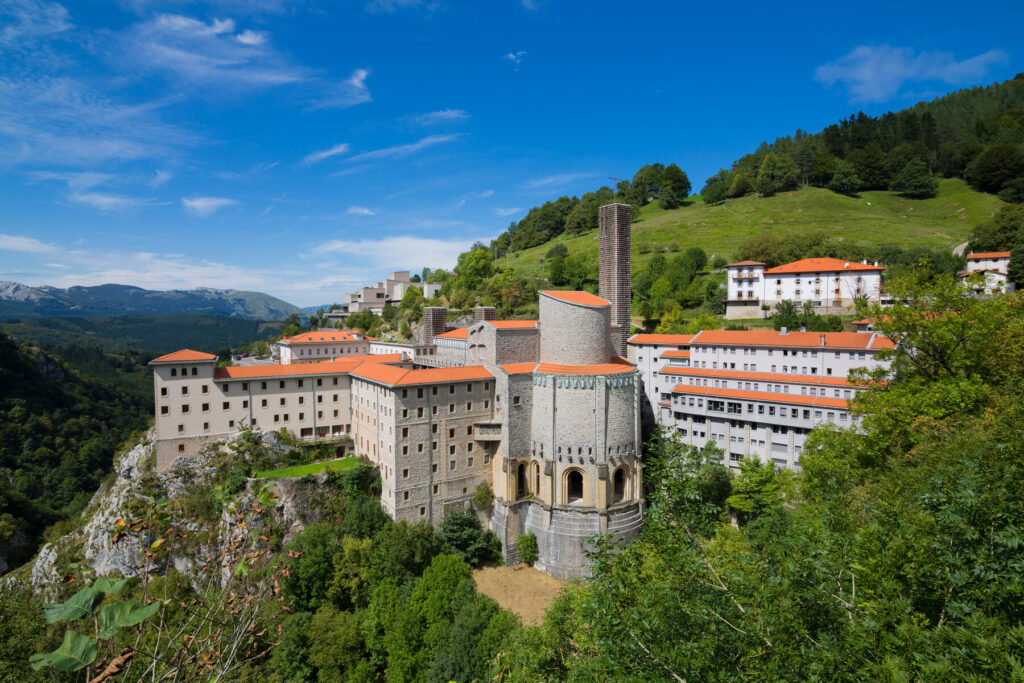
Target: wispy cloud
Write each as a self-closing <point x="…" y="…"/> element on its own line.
<point x="443" y="116"/>
<point x="394" y="5"/>
<point x="348" y="93"/>
<point x="507" y="212"/>
<point x="461" y="201"/>
<point x="25" y="244"/>
<point x="400" y="251"/>
<point x="557" y="180"/>
<point x="317" y="157"/>
<point x="877" y="73"/>
<point x="360" y="211"/>
<point x="399" y="151"/>
<point x="198" y="54"/>
<point x="206" y="206"/>
<point x="25" y="20"/>
<point x="160" y="178"/>
<point x="515" y="57"/>
<point x="107" y="201"/>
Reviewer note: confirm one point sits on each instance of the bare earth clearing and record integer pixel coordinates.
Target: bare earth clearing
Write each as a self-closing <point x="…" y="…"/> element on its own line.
<point x="521" y="589"/>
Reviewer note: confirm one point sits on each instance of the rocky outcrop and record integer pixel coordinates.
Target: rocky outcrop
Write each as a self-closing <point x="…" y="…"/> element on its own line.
<point x="114" y="542"/>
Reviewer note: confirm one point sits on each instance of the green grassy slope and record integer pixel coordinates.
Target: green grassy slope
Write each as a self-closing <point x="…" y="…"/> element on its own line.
<point x="869" y="218"/>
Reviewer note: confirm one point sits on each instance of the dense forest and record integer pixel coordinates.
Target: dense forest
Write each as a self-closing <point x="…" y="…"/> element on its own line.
<point x="59" y="430"/>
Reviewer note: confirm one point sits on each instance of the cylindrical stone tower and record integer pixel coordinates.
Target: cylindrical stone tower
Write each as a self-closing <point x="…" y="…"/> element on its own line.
<point x="574" y="328"/>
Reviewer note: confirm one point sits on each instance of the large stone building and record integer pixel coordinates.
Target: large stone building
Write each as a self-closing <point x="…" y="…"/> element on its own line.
<point x="829" y="284"/>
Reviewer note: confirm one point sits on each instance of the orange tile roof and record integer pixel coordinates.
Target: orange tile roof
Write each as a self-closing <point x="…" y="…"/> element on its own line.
<point x="760" y="376"/>
<point x="676" y="354"/>
<point x="821" y="265"/>
<point x="337" y="367"/>
<point x="987" y="255"/>
<point x="323" y="336"/>
<point x="457" y="333"/>
<point x="580" y="298"/>
<point x="816" y="401"/>
<point x="518" y="368"/>
<point x="833" y="340"/>
<point x="599" y="369"/>
<point x="746" y="263"/>
<point x="184" y="356"/>
<point x="659" y="339"/>
<point x="512" y="324"/>
<point x="394" y="376"/>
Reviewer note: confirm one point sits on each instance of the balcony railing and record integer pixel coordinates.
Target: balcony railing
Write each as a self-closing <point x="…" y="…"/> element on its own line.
<point x="487" y="431"/>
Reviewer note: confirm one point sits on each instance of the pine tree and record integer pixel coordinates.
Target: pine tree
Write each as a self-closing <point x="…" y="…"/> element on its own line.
<point x="915" y="181"/>
<point x="674" y="187"/>
<point x="845" y="180"/>
<point x="765" y="181"/>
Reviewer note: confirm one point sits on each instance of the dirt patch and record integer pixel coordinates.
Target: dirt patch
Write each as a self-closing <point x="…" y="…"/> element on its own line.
<point x="521" y="589"/>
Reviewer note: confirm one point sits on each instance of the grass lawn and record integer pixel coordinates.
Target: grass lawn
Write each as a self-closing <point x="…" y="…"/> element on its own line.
<point x="868" y="218"/>
<point x="311" y="468"/>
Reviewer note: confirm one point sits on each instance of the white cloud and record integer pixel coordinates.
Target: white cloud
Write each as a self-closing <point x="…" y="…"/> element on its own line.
<point x="62" y="266"/>
<point x="507" y="212"/>
<point x="394" y="5"/>
<point x="316" y="157"/>
<point x="531" y="5"/>
<point x="160" y="178"/>
<point x="515" y="57"/>
<point x="877" y="73"/>
<point x="26" y="244"/>
<point x="399" y="151"/>
<point x="442" y="116"/>
<point x="461" y="201"/>
<point x="348" y="93"/>
<point x="360" y="211"/>
<point x="25" y="20"/>
<point x="249" y="37"/>
<point x="205" y="206"/>
<point x="400" y="251"/>
<point x="199" y="54"/>
<point x="557" y="180"/>
<point x="105" y="201"/>
<point x="76" y="181"/>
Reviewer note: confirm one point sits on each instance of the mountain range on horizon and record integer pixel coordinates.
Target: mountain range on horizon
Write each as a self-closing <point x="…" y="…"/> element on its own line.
<point x="23" y="301"/>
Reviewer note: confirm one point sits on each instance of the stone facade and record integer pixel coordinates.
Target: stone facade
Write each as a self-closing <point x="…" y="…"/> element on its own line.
<point x="614" y="239"/>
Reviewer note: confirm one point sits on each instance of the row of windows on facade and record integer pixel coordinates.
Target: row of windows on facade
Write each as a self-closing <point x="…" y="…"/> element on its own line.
<point x="278" y="418"/>
<point x="528" y="483"/>
<point x="743" y="424"/>
<point x="538" y="450"/>
<point x="736" y="408"/>
<point x="753" y="351"/>
<point x="333" y="351"/>
<point x="264" y="403"/>
<point x="752" y="367"/>
<point x="226" y="387"/>
<point x="735" y="458"/>
<point x="756" y="386"/>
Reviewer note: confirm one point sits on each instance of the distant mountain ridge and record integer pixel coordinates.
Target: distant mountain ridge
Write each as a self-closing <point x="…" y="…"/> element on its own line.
<point x="23" y="301"/>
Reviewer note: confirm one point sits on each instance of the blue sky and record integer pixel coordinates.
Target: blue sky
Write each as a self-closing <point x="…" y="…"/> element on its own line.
<point x="303" y="149"/>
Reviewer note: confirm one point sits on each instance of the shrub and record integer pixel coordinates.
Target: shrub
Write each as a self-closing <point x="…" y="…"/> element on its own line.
<point x="527" y="545"/>
<point x="465" y="537"/>
<point x="484" y="497"/>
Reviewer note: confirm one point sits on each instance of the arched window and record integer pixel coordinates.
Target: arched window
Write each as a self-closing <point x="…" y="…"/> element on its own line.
<point x="521" y="489"/>
<point x="574" y="487"/>
<point x="536" y="479"/>
<point x="619" y="485"/>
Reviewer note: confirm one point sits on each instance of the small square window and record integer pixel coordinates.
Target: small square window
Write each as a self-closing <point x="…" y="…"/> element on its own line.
<point x="451" y="465"/>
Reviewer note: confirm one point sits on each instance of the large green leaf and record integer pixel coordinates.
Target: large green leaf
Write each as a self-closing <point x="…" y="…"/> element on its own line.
<point x="76" y="652"/>
<point x="121" y="614"/>
<point x="82" y="604"/>
<point x="110" y="586"/>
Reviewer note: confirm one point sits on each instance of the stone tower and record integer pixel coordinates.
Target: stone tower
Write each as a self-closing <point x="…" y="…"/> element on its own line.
<point x="614" y="285"/>
<point x="434" y="322"/>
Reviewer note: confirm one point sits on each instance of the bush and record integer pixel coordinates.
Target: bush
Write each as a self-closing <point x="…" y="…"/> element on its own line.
<point x="527" y="545"/>
<point x="484" y="496"/>
<point x="465" y="537"/>
<point x="557" y="250"/>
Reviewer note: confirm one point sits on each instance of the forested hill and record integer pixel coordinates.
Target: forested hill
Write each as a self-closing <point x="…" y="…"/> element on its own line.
<point x="59" y="430"/>
<point x="18" y="300"/>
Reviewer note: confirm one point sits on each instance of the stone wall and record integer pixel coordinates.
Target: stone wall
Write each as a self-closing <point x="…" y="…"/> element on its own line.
<point x="573" y="334"/>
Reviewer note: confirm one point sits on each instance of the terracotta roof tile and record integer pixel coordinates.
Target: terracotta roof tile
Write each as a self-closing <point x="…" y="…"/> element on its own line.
<point x="815" y="401"/>
<point x="457" y="333"/>
<point x="518" y="368"/>
<point x="746" y="263"/>
<point x="759" y="376"/>
<point x="394" y="376"/>
<point x="832" y="340"/>
<point x="512" y="324"/>
<point x="599" y="369"/>
<point x="822" y="265"/>
<point x="324" y="336"/>
<point x="580" y="298"/>
<point x="184" y="356"/>
<point x="337" y="367"/>
<point x="675" y="354"/>
<point x="661" y="339"/>
<point x="987" y="255"/>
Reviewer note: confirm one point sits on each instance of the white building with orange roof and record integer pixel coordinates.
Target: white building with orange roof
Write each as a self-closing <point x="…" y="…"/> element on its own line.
<point x="758" y="393"/>
<point x="321" y="345"/>
<point x="831" y="285"/>
<point x="986" y="273"/>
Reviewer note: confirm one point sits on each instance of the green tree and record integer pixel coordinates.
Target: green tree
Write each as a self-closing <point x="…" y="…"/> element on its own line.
<point x="999" y="233"/>
<point x="527" y="546"/>
<point x="674" y="187"/>
<point x="740" y="186"/>
<point x="845" y="179"/>
<point x="915" y="181"/>
<point x="1013" y="191"/>
<point x="871" y="165"/>
<point x="991" y="169"/>
<point x="474" y="268"/>
<point x="823" y="166"/>
<point x="1015" y="271"/>
<point x="714" y="193"/>
<point x="465" y="537"/>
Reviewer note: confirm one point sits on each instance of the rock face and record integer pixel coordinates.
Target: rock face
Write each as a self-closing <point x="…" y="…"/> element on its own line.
<point x="99" y="546"/>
